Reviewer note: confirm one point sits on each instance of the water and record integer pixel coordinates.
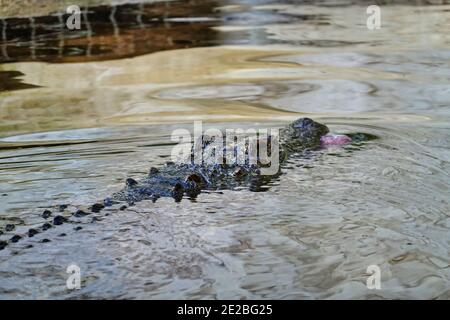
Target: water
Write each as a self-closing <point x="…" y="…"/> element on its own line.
<point x="81" y="111"/>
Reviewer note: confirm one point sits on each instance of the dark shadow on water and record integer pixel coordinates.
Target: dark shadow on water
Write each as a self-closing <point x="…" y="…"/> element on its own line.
<point x="9" y="81"/>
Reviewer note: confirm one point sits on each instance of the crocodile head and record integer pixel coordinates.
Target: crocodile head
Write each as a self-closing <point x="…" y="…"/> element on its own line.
<point x="307" y="126"/>
<point x="306" y="132"/>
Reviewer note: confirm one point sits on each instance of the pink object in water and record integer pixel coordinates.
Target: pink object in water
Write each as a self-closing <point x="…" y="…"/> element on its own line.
<point x="335" y="139"/>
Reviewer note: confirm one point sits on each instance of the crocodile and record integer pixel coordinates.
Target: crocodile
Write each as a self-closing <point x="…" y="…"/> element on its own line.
<point x="186" y="178"/>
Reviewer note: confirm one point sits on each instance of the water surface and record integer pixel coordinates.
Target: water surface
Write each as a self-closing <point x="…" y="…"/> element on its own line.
<point x="81" y="111"/>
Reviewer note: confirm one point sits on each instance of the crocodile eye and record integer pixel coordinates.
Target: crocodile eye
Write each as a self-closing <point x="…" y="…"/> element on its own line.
<point x="197" y="179"/>
<point x="178" y="187"/>
<point x="239" y="172"/>
<point x="303" y="122"/>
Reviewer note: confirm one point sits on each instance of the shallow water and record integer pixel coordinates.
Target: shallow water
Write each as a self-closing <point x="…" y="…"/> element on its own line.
<point x="103" y="110"/>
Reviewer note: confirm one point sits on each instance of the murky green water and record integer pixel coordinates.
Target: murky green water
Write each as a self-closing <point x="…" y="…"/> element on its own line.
<point x="81" y="111"/>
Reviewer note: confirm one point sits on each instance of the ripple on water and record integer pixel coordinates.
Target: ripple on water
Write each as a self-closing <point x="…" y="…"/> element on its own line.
<point x="311" y="234"/>
<point x="315" y="229"/>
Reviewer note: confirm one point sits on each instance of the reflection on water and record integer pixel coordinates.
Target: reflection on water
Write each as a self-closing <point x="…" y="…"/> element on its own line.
<point x="9" y="81"/>
<point x="72" y="132"/>
<point x="109" y="32"/>
<point x="112" y="32"/>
